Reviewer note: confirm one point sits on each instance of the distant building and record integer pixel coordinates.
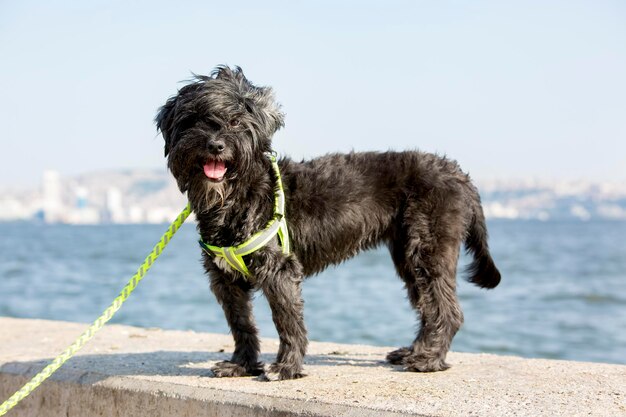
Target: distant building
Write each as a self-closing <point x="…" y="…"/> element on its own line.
<point x="82" y="212"/>
<point x="82" y="195"/>
<point x="52" y="201"/>
<point x="114" y="210"/>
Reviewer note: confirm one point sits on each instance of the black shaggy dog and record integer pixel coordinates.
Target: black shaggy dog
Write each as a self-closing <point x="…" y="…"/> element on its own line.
<point x="218" y="133"/>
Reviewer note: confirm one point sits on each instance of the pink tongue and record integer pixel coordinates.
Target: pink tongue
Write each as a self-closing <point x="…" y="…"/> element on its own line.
<point x="214" y="169"/>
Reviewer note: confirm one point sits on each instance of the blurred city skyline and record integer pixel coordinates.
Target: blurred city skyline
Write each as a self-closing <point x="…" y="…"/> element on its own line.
<point x="152" y="196"/>
<point x="510" y="90"/>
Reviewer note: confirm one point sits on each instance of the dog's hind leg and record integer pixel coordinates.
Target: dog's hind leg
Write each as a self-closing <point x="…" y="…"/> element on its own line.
<point x="284" y="294"/>
<point x="235" y="298"/>
<point x="429" y="273"/>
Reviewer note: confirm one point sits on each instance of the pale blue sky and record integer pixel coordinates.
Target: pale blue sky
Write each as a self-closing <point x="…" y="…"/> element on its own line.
<point x="509" y="89"/>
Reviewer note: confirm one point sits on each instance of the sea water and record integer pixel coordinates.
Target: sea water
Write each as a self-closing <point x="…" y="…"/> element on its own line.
<point x="563" y="290"/>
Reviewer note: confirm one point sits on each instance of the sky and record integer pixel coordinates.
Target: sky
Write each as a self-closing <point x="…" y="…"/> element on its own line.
<point x="508" y="89"/>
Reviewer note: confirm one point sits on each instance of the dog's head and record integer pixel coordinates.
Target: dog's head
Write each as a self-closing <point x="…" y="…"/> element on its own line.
<point x="215" y="129"/>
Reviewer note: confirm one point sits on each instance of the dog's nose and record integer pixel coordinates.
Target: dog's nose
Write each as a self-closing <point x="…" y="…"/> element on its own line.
<point x="216" y="146"/>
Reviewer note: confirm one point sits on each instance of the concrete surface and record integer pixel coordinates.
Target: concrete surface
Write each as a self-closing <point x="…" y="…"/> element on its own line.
<point x="129" y="371"/>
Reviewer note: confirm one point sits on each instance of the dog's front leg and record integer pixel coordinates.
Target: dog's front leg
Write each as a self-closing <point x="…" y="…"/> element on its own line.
<point x="235" y="298"/>
<point x="284" y="294"/>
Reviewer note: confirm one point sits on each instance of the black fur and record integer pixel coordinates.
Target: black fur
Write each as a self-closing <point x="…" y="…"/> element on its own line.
<point x="422" y="206"/>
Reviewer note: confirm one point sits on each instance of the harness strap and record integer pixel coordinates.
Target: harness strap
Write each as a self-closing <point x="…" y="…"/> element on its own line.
<point x="277" y="226"/>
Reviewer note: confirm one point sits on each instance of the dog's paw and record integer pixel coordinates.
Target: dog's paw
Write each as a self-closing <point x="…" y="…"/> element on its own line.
<point x="422" y="364"/>
<point x="228" y="369"/>
<point x="280" y="372"/>
<point x="397" y="356"/>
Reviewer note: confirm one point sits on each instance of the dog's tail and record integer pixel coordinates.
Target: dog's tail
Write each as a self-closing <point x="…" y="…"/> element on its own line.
<point x="482" y="271"/>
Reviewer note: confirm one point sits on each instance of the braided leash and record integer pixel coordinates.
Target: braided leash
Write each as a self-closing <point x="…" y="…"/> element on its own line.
<point x="100" y="321"/>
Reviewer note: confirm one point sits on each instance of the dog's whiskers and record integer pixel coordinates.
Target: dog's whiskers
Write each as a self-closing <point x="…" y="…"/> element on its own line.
<point x="213" y="195"/>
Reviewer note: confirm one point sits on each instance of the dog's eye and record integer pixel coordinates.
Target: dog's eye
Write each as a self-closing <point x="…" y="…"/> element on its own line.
<point x="234" y="123"/>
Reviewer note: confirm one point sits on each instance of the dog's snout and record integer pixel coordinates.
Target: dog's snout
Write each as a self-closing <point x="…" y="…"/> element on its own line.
<point x="216" y="146"/>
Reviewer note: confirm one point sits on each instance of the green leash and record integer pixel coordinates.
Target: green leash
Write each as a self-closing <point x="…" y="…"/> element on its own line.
<point x="100" y="321"/>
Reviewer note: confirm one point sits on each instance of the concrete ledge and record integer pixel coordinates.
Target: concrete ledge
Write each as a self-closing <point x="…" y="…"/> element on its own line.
<point x="129" y="371"/>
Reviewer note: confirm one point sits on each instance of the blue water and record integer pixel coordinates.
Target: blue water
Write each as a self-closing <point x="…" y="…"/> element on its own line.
<point x="563" y="293"/>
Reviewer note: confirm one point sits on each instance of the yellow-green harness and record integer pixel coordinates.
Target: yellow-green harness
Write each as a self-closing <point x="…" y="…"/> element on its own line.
<point x="278" y="225"/>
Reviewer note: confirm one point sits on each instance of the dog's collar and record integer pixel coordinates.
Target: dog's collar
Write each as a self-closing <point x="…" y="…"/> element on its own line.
<point x="277" y="226"/>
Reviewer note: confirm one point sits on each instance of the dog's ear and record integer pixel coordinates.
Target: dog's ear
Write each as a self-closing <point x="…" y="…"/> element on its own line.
<point x="261" y="103"/>
<point x="165" y="122"/>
